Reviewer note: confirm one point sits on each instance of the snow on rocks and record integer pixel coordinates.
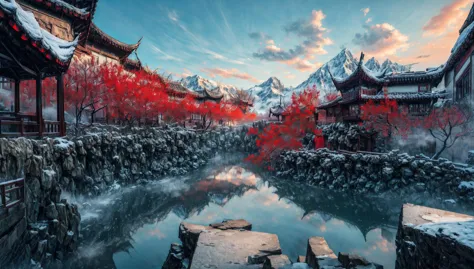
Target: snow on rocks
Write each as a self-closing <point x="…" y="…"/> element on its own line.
<point x="433" y="238"/>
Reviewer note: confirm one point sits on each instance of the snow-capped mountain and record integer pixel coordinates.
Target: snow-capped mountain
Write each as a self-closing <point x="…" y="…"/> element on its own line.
<point x="342" y="66"/>
<point x="198" y="83"/>
<point x="268" y="93"/>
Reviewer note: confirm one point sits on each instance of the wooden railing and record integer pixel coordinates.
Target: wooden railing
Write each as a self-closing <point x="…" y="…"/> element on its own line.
<point x="12" y="193"/>
<point x="52" y="128"/>
<point x="24" y="126"/>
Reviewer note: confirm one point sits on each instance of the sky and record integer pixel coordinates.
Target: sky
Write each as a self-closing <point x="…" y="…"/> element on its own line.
<point x="245" y="42"/>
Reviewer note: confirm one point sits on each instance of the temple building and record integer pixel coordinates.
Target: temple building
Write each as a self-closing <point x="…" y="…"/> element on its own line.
<point x="105" y="48"/>
<point x="38" y="40"/>
<point x="417" y="91"/>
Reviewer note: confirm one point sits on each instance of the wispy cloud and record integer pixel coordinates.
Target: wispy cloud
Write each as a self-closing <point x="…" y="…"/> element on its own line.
<point x="172" y="15"/>
<point x="365" y="11"/>
<point x="423" y="56"/>
<point x="163" y="55"/>
<point x="448" y="18"/>
<point x="259" y="36"/>
<point x="381" y="40"/>
<point x="229" y="73"/>
<point x="369" y="20"/>
<point x="217" y="56"/>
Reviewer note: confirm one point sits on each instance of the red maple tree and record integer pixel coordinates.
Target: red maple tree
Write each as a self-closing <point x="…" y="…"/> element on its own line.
<point x="298" y="121"/>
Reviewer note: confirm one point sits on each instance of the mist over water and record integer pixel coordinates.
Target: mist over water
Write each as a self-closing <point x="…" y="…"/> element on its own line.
<point x="133" y="226"/>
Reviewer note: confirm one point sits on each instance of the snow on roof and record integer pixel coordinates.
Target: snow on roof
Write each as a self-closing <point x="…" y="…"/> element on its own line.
<point x="81" y="11"/>
<point x="61" y="49"/>
<point x="405" y="96"/>
<point x="462" y="37"/>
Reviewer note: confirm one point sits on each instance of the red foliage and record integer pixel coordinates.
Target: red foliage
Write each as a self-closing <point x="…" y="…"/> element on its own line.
<point x="287" y="135"/>
<point x="331" y="96"/>
<point x="386" y="118"/>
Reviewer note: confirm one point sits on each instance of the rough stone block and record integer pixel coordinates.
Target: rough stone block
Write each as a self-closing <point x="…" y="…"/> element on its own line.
<point x="318" y="250"/>
<point x="234" y="249"/>
<point x="277" y="262"/>
<point x="233" y="225"/>
<point x="189" y="235"/>
<point x="433" y="238"/>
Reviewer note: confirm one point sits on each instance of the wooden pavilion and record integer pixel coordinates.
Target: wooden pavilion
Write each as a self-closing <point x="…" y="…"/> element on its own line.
<point x="31" y="51"/>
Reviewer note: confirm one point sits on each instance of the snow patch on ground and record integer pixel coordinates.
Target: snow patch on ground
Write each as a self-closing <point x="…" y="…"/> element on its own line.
<point x="466" y="185"/>
<point x="462" y="232"/>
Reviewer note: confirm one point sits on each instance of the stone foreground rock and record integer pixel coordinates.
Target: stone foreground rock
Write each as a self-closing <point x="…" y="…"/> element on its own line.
<point x="433" y="238"/>
<point x="231" y="244"/>
<point x="233" y="249"/>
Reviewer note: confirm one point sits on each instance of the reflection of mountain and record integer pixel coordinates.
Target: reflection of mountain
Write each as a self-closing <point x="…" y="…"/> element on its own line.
<point x="364" y="213"/>
<point x="113" y="230"/>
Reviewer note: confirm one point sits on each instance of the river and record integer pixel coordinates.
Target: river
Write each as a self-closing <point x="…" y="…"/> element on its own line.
<point x="133" y="227"/>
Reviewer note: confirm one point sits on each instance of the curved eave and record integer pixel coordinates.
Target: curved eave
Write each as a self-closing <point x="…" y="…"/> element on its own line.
<point x="355" y="78"/>
<point x="106" y="39"/>
<point x="459" y="53"/>
<point x="469" y="19"/>
<point x="63" y="10"/>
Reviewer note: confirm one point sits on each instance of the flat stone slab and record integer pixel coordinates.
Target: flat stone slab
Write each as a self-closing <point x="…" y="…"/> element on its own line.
<point x="414" y="215"/>
<point x="233" y="225"/>
<point x="189" y="235"/>
<point x="234" y="249"/>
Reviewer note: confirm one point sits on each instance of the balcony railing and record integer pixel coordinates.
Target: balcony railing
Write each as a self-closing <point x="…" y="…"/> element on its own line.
<point x="26" y="125"/>
<point x="12" y="193"/>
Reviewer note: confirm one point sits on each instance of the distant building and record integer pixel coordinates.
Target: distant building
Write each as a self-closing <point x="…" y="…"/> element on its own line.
<point x="413" y="90"/>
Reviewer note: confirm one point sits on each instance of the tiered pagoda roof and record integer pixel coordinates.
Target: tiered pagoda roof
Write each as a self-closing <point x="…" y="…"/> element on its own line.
<point x="27" y="50"/>
<point x="361" y="74"/>
<point x="121" y="49"/>
<point x="209" y="95"/>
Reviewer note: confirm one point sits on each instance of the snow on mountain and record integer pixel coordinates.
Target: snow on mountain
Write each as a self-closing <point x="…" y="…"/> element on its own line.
<point x="268" y="94"/>
<point x="198" y="83"/>
<point x="342" y="66"/>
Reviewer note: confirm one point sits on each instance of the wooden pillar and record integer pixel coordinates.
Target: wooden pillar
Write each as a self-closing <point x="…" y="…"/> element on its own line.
<point x="39" y="105"/>
<point x="17" y="96"/>
<point x="60" y="104"/>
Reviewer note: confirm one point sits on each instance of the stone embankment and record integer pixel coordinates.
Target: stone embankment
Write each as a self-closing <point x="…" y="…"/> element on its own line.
<point x="377" y="173"/>
<point x="232" y="245"/>
<point x="88" y="165"/>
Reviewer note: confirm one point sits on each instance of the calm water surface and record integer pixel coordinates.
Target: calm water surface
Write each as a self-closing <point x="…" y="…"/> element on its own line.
<point x="134" y="226"/>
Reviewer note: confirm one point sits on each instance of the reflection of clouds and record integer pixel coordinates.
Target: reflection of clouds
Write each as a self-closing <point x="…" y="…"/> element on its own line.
<point x="323" y="228"/>
<point x="376" y="245"/>
<point x="237" y="176"/>
<point x="157" y="233"/>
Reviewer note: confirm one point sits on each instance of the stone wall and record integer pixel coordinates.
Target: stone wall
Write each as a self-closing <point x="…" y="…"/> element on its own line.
<point x="375" y="173"/>
<point x="90" y="164"/>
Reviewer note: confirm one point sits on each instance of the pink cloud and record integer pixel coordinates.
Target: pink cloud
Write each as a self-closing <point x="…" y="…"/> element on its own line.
<point x="381" y="40"/>
<point x="229" y="73"/>
<point x="449" y="17"/>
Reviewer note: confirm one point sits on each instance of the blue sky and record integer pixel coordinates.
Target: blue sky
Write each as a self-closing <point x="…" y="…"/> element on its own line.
<point x="244" y="42"/>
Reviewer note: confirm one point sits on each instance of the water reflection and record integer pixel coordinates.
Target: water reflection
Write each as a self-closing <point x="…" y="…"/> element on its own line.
<point x="134" y="227"/>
